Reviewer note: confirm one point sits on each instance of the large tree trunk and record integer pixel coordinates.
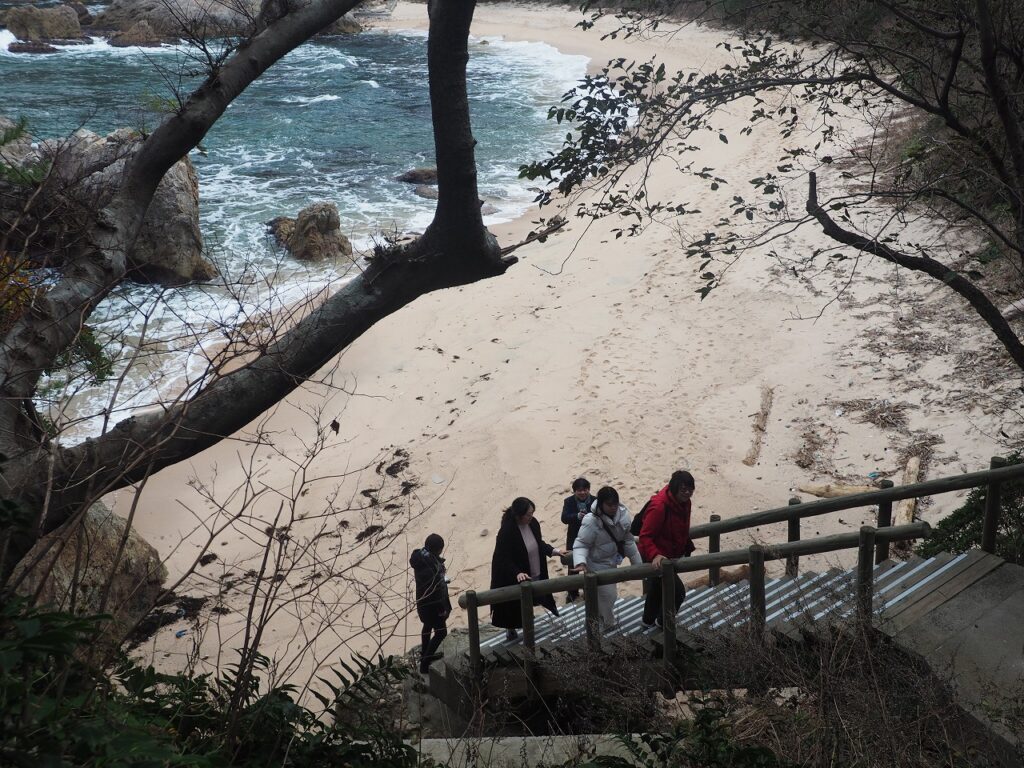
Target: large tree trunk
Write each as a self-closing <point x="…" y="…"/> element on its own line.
<point x="456" y="249"/>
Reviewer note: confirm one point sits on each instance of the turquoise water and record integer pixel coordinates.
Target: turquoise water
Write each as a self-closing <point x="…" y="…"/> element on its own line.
<point x="335" y="120"/>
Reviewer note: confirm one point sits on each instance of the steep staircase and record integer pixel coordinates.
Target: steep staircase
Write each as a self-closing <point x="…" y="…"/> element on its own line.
<point x="904" y="590"/>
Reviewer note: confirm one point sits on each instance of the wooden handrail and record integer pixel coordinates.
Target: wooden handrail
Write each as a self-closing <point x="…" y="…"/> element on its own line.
<point x="730" y="557"/>
<point x="812" y="508"/>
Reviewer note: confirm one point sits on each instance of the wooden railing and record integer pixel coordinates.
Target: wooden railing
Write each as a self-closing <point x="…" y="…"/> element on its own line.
<point x="871" y="542"/>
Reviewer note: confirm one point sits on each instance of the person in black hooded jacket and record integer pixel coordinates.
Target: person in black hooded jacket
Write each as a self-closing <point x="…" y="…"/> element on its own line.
<point x="432" y="602"/>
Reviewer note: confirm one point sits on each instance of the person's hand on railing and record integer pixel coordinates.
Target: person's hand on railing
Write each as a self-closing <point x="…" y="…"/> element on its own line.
<point x="581" y="568"/>
<point x="658" y="560"/>
<point x="521" y="577"/>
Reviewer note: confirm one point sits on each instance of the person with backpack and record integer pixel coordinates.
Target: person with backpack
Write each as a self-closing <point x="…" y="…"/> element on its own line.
<point x="574" y="509"/>
<point x="665" y="534"/>
<point x="603" y="542"/>
<point x="432" y="602"/>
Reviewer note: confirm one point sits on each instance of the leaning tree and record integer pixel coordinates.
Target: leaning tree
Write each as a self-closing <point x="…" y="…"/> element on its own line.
<point x="936" y="85"/>
<point x="47" y="483"/>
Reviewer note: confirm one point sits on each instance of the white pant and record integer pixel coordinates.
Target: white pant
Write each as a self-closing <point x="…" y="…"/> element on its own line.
<point x="606" y="595"/>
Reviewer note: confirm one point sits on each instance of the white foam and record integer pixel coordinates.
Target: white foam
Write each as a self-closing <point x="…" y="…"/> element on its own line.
<point x="371" y="83"/>
<point x="6" y="38"/>
<point x="307" y="100"/>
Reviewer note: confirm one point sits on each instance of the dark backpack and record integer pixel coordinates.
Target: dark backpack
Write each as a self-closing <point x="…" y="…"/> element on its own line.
<point x="638" y="522"/>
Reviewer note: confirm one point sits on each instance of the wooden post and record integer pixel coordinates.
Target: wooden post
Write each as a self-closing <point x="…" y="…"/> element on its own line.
<point x="668" y="615"/>
<point x="529" y="638"/>
<point x="884" y="521"/>
<point x="526" y="610"/>
<point x="793" y="561"/>
<point x="714" y="544"/>
<point x="475" y="662"/>
<point x="992" y="503"/>
<point x="865" y="575"/>
<point x="591" y="611"/>
<point x="757" y="599"/>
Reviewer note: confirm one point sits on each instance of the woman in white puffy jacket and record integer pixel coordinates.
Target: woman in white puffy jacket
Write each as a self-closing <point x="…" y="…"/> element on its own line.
<point x="603" y="542"/>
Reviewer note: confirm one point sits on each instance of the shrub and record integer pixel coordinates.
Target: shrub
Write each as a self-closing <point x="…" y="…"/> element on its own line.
<point x="962" y="529"/>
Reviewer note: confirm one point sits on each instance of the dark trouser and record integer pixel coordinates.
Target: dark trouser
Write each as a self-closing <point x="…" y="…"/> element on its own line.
<point x="434" y="631"/>
<point x="652" y="605"/>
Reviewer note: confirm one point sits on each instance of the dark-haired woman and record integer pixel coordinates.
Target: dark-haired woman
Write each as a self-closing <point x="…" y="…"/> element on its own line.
<point x="520" y="554"/>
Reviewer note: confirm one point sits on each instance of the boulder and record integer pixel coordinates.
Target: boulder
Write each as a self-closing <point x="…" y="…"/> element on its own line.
<point x="31" y="24"/>
<point x="71" y="566"/>
<point x="344" y="26"/>
<point x="486" y="209"/>
<point x="141" y="34"/>
<point x="84" y="17"/>
<point x="426" y="191"/>
<point x="169" y="249"/>
<point x="32" y="48"/>
<point x="170" y="18"/>
<point x="281" y="227"/>
<point x="419" y="176"/>
<point x="315" y="234"/>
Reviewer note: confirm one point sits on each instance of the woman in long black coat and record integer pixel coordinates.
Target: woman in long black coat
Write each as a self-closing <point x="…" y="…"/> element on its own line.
<point x="518" y="538"/>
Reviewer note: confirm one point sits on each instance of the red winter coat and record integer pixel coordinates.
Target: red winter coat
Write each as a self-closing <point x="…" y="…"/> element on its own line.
<point x="666" y="527"/>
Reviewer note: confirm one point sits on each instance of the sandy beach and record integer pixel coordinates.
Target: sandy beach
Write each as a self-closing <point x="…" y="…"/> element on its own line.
<point x="593" y="356"/>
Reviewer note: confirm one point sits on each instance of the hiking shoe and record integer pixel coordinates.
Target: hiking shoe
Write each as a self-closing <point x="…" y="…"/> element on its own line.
<point x="511" y="634"/>
<point x="571" y="597"/>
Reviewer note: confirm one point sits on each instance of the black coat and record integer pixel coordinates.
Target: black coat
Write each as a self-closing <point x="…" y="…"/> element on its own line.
<point x="432" y="599"/>
<point x="510" y="559"/>
<point x="571" y="517"/>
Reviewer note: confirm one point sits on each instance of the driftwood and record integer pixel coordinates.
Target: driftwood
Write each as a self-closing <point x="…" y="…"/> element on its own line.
<point x="905" y="509"/>
<point x="835" y="490"/>
<point x="760" y="423"/>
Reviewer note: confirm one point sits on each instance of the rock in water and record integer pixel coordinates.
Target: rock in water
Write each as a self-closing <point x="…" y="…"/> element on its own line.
<point x="419" y="176"/>
<point x="317" y="234"/>
<point x="90" y="552"/>
<point x="141" y="34"/>
<point x="172" y="18"/>
<point x="32" y="48"/>
<point x="28" y="23"/>
<point x="169" y="248"/>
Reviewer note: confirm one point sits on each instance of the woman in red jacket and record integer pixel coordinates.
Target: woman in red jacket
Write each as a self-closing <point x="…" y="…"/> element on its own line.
<point x="666" y="534"/>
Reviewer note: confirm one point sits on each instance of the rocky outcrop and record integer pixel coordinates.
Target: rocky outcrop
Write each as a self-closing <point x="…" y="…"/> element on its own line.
<point x="70" y="569"/>
<point x="314" y="235"/>
<point x="31" y="24"/>
<point x="169" y="18"/>
<point x="88" y="168"/>
<point x="419" y="176"/>
<point x="426" y="191"/>
<point x="141" y="34"/>
<point x="213" y="18"/>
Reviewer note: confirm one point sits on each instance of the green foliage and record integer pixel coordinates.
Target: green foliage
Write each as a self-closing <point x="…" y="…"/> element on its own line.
<point x="57" y="711"/>
<point x="86" y="351"/>
<point x="707" y="741"/>
<point x="29" y="174"/>
<point x="961" y="530"/>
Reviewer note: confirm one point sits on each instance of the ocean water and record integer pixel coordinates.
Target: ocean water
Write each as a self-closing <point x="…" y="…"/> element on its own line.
<point x="335" y="120"/>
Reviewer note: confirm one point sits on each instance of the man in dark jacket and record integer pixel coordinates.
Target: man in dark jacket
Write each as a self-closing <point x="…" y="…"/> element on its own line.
<point x="574" y="509"/>
<point x="666" y="534"/>
<point x="432" y="602"/>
